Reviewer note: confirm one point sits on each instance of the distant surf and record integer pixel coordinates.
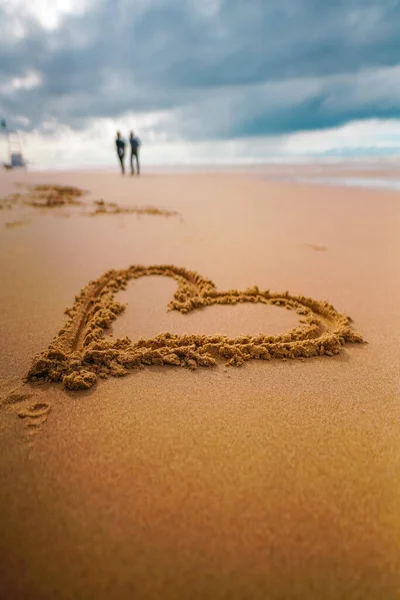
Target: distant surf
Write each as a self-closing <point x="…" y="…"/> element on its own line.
<point x="363" y="182"/>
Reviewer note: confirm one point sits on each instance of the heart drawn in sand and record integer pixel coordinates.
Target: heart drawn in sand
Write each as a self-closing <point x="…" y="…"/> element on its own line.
<point x="80" y="353"/>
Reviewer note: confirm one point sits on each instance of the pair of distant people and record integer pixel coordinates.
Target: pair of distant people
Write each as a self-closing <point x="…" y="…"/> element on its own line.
<point x="135" y="144"/>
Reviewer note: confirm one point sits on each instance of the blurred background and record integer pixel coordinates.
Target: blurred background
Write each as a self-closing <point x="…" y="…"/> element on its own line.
<point x="202" y="82"/>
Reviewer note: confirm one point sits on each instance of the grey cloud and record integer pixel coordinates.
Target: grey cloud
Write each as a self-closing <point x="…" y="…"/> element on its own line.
<point x="238" y="62"/>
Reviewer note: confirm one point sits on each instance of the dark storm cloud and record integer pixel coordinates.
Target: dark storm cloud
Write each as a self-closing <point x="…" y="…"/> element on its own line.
<point x="231" y="68"/>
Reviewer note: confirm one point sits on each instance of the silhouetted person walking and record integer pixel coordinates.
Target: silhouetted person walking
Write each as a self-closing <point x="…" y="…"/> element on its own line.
<point x="135" y="143"/>
<point x="119" y="142"/>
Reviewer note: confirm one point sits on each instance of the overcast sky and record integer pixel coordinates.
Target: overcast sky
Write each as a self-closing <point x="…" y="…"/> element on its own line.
<point x="201" y="80"/>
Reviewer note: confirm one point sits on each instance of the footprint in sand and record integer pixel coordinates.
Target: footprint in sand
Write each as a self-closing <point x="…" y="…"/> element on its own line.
<point x="34" y="414"/>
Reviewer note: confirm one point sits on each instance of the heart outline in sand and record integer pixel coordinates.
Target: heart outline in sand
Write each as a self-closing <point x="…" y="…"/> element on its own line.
<point x="79" y="353"/>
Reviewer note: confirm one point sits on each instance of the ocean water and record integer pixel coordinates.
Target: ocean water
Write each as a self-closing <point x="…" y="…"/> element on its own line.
<point x="359" y="182"/>
<point x="373" y="174"/>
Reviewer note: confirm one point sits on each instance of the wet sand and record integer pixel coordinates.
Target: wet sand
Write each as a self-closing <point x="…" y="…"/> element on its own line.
<point x="276" y="479"/>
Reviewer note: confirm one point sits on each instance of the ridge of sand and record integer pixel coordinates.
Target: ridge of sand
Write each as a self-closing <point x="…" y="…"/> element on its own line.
<point x="78" y="354"/>
<point x="50" y="196"/>
<point x="111" y="208"/>
<point x="56" y="196"/>
<point x="17" y="223"/>
<point x="45" y="196"/>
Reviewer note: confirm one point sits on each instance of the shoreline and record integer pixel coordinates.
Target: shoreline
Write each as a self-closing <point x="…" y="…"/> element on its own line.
<point x="373" y="175"/>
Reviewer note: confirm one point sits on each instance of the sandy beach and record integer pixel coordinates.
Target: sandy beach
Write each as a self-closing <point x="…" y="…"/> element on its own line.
<point x="170" y="476"/>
